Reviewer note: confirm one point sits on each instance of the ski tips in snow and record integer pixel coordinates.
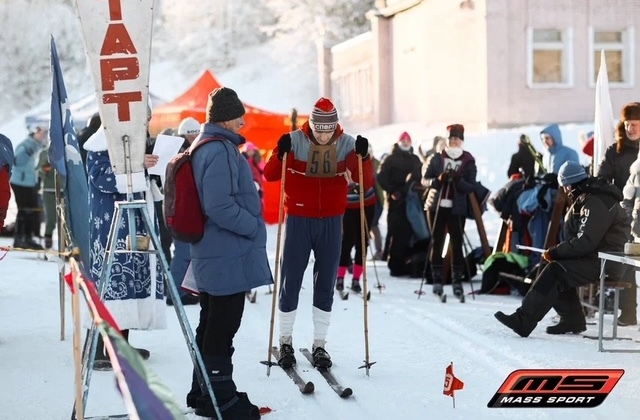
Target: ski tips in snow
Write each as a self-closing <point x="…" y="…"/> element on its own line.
<point x="328" y="376"/>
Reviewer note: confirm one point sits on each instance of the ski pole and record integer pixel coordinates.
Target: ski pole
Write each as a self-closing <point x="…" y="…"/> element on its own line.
<point x="363" y="225"/>
<point x="277" y="268"/>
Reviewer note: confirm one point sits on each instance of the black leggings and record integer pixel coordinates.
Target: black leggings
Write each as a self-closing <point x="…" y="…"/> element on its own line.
<point x="351" y="234"/>
<point x="454" y="225"/>
<point x="28" y="218"/>
<point x="220" y="318"/>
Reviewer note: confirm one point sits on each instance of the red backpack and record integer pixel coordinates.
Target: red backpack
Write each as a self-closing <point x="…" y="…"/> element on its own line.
<point x="183" y="214"/>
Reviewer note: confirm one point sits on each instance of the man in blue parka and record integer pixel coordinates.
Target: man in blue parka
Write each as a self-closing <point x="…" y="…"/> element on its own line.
<point x="231" y="258"/>
<point x="557" y="153"/>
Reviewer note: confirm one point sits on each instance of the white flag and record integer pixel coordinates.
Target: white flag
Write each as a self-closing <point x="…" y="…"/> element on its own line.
<point x="117" y="41"/>
<point x="604" y="127"/>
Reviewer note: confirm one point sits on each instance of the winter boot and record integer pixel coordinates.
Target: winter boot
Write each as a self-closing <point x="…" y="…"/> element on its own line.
<point x="144" y="353"/>
<point x="456" y="283"/>
<point x="436" y="275"/>
<point x="355" y="285"/>
<point x="525" y="319"/>
<point x="231" y="403"/>
<point x="575" y="326"/>
<point x="572" y="318"/>
<point x="340" y="284"/>
<point x="287" y="358"/>
<point x="101" y="362"/>
<point x="321" y="359"/>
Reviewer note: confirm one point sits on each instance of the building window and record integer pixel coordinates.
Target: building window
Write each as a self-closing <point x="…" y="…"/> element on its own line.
<point x="550" y="58"/>
<point x="619" y="50"/>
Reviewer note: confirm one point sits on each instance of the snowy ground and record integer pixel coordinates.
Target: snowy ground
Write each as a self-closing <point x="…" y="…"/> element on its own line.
<point x="411" y="340"/>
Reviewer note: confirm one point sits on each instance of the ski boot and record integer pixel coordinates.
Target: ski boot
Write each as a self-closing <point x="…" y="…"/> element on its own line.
<point x="436" y="275"/>
<point x="340" y="284"/>
<point x="456" y="283"/>
<point x="458" y="291"/>
<point x="287" y="358"/>
<point x="355" y="286"/>
<point x="321" y="359"/>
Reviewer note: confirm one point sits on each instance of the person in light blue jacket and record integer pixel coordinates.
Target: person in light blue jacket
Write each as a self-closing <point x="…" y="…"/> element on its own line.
<point x="557" y="153"/>
<point x="24" y="183"/>
<point x="231" y="257"/>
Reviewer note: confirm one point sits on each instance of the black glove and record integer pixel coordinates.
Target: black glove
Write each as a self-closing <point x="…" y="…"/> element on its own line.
<point x="362" y="146"/>
<point x="284" y="145"/>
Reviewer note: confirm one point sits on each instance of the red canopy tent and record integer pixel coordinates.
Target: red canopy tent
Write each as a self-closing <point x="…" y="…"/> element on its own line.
<point x="262" y="128"/>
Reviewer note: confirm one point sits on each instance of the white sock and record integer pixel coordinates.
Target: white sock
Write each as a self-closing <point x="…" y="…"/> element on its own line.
<point x="286" y="321"/>
<point x="321" y="321"/>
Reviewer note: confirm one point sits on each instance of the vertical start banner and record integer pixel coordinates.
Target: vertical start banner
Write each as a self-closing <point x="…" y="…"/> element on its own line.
<point x="117" y="41"/>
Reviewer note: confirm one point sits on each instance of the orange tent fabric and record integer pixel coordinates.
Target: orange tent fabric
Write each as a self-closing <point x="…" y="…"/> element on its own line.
<point x="262" y="128"/>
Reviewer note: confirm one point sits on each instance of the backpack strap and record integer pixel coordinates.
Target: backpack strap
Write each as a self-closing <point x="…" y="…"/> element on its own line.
<point x="202" y="142"/>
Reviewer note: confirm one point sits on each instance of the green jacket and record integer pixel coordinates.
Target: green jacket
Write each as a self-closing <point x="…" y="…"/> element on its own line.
<point x="46" y="172"/>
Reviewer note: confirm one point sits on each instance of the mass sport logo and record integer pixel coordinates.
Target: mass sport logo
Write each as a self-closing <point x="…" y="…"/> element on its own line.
<point x="562" y="388"/>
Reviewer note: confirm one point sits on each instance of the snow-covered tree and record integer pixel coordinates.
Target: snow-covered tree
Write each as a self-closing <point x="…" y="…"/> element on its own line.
<point x="27" y="25"/>
<point x="200" y="35"/>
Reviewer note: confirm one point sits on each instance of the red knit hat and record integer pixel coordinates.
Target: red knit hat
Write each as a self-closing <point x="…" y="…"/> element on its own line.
<point x="324" y="116"/>
<point x="404" y="136"/>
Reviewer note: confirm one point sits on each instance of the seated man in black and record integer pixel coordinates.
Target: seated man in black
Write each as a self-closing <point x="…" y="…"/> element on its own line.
<point x="595" y="222"/>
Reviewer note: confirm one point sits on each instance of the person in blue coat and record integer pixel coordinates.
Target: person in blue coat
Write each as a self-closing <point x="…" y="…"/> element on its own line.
<point x="557" y="152"/>
<point x="24" y="183"/>
<point x="231" y="257"/>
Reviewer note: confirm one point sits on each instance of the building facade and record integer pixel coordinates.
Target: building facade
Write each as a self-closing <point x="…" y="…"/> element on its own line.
<point x="485" y="63"/>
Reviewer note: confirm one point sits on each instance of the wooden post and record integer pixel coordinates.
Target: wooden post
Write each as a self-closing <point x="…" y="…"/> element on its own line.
<point x="77" y="353"/>
<point x="482" y="233"/>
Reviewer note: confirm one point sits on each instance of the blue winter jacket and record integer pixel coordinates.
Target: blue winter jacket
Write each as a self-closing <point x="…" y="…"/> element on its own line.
<point x="558" y="153"/>
<point x="24" y="163"/>
<point x="232" y="255"/>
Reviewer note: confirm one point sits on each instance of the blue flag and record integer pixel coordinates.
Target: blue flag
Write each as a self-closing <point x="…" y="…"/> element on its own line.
<point x="64" y="155"/>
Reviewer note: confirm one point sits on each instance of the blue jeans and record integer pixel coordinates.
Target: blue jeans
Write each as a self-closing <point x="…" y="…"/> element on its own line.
<point x="179" y="263"/>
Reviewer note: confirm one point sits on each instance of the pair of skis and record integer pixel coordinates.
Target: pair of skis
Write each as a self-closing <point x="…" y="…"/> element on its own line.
<point x="309" y="387"/>
<point x="443" y="296"/>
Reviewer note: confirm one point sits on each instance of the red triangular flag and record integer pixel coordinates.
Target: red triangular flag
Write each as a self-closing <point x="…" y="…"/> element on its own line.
<point x="451" y="383"/>
<point x="102" y="310"/>
<point x="68" y="278"/>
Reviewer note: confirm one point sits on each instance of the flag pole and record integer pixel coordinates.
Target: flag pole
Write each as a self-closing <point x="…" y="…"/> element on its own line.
<point x="453" y="394"/>
<point x="77" y="356"/>
<point x="61" y="248"/>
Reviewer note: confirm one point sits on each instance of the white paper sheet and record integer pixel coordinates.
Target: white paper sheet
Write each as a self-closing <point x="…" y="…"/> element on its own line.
<point x="530" y="248"/>
<point x="189" y="282"/>
<point x="166" y="147"/>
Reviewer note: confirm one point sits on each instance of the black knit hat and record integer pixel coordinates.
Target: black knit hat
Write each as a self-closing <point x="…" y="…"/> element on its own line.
<point x="223" y="105"/>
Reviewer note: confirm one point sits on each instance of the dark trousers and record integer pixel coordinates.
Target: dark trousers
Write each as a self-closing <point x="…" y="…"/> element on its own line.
<point x="165" y="236"/>
<point x="440" y="224"/>
<point x="28" y="218"/>
<point x="399" y="233"/>
<point x="304" y="234"/>
<point x="220" y="318"/>
<point x="556" y="287"/>
<point x="352" y="234"/>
